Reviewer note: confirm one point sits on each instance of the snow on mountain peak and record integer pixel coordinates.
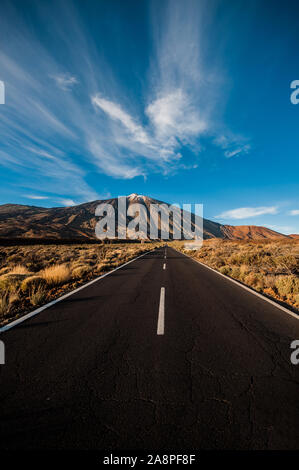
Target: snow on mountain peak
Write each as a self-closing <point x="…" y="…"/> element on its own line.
<point x="136" y="196"/>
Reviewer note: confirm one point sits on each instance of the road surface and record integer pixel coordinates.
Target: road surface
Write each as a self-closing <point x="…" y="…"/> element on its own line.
<point x="161" y="354"/>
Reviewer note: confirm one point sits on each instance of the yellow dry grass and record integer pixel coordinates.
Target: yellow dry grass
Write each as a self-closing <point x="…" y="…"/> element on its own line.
<point x="19" y="269"/>
<point x="56" y="274"/>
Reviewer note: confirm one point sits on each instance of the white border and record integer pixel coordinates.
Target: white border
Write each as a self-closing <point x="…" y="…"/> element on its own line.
<point x="53" y="302"/>
<point x="293" y="314"/>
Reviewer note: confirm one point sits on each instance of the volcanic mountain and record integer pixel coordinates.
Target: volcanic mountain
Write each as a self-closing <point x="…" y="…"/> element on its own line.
<point x="78" y="222"/>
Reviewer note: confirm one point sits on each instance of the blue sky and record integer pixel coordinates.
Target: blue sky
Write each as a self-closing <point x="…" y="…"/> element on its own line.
<point x="184" y="101"/>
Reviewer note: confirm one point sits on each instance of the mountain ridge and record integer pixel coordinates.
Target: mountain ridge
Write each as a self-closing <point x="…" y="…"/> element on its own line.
<point x="78" y="221"/>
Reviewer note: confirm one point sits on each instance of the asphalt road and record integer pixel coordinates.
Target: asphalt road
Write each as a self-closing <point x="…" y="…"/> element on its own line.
<point x="91" y="372"/>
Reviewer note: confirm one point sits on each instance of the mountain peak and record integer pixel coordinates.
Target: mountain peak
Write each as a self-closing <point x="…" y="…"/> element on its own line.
<point x="136" y="196"/>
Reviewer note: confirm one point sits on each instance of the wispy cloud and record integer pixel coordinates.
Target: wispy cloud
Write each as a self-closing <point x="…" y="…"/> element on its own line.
<point x="174" y="115"/>
<point x="184" y="99"/>
<point x="171" y="121"/>
<point x="66" y="202"/>
<point x="247" y="212"/>
<point x="281" y="228"/>
<point x="294" y="212"/>
<point x="40" y="119"/>
<point x="238" y="151"/>
<point x="232" y="145"/>
<point x="115" y="112"/>
<point x="65" y="81"/>
<point x="68" y="115"/>
<point x="33" y="196"/>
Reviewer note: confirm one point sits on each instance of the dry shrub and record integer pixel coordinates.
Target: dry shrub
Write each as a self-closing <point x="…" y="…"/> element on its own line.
<point x="57" y="274"/>
<point x="251" y="279"/>
<point x="4" y="270"/>
<point x="269" y="281"/>
<point x="285" y="261"/>
<point x="235" y="272"/>
<point x="15" y="258"/>
<point x="236" y="259"/>
<point x="11" y="282"/>
<point x="225" y="270"/>
<point x="244" y="271"/>
<point x="14" y="297"/>
<point x="4" y="303"/>
<point x="80" y="271"/>
<point x="37" y="295"/>
<point x="106" y="266"/>
<point x="32" y="282"/>
<point x="76" y="264"/>
<point x="216" y="261"/>
<point x="19" y="269"/>
<point x="88" y="261"/>
<point x="287" y="285"/>
<point x="117" y="253"/>
<point x="7" y="300"/>
<point x="270" y="291"/>
<point x="99" y="267"/>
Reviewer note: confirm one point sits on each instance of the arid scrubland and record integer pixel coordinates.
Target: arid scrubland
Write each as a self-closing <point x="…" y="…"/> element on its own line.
<point x="30" y="276"/>
<point x="270" y="266"/>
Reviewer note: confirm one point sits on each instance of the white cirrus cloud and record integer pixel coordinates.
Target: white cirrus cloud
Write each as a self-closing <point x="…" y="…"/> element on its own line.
<point x="65" y="81"/>
<point x="172" y="121"/>
<point x="173" y="114"/>
<point x="294" y="212"/>
<point x="246" y="212"/>
<point x="281" y="228"/>
<point x="238" y="151"/>
<point x="66" y="202"/>
<point x="35" y="196"/>
<point x="115" y="112"/>
<point x="232" y="145"/>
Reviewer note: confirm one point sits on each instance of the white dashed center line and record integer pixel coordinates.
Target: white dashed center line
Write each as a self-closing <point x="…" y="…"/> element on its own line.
<point x="164" y="266"/>
<point x="160" y="327"/>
